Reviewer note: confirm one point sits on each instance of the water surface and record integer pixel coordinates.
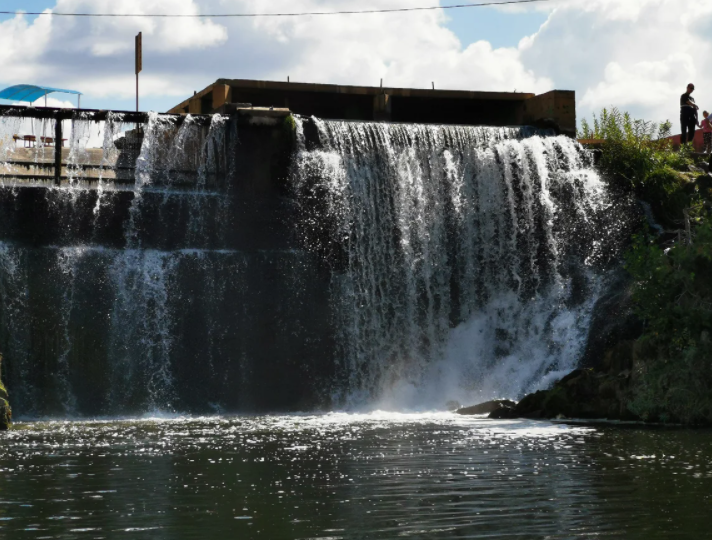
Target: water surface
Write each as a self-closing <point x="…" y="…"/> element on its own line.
<point x="342" y="476"/>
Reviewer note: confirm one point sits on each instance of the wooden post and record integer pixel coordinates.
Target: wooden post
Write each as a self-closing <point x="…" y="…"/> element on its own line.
<point x="58" y="151"/>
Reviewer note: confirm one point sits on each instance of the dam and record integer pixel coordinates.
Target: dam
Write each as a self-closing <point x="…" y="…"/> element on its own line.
<point x="247" y="256"/>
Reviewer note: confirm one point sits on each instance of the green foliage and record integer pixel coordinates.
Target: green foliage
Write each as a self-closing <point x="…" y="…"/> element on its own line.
<point x="673" y="295"/>
<point x="636" y="150"/>
<point x="5" y="410"/>
<point x="289" y="125"/>
<point x="636" y="155"/>
<point x="672" y="288"/>
<point x="615" y="125"/>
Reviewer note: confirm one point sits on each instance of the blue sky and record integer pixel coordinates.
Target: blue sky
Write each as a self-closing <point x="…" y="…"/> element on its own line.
<point x="500" y="28"/>
<point x="611" y="52"/>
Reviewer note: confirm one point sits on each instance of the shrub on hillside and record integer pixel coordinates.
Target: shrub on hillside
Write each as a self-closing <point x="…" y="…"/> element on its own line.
<point x="673" y="295"/>
<point x="638" y="156"/>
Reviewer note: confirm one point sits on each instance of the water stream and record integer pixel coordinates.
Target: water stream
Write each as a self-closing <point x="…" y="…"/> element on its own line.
<point x="468" y="260"/>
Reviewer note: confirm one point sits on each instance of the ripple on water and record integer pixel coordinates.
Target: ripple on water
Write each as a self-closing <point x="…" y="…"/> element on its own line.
<point x="378" y="475"/>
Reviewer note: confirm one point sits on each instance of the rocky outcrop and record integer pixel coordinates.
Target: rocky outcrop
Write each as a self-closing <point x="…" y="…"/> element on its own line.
<point x="613" y="321"/>
<point x="487" y="408"/>
<point x="585" y="393"/>
<point x="5" y="410"/>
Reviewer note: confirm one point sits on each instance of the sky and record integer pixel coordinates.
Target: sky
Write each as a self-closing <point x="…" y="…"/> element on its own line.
<point x="637" y="55"/>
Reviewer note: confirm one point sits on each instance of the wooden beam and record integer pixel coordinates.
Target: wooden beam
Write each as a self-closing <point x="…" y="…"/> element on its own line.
<point x="57" y="152"/>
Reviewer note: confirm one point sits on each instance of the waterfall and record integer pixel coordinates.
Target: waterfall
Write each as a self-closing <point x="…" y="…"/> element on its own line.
<point x="127" y="296"/>
<point x="466" y="260"/>
<point x="179" y="268"/>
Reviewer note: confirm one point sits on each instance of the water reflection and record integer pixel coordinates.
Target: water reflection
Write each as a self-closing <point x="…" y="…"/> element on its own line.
<point x="351" y="476"/>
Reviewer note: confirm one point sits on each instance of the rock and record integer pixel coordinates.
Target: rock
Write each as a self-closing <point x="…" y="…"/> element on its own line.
<point x="5" y="410"/>
<point x="585" y="393"/>
<point x="487" y="408"/>
<point x="5" y="415"/>
<point x="703" y="183"/>
<point x="503" y="413"/>
<point x="453" y="405"/>
<point x="613" y="321"/>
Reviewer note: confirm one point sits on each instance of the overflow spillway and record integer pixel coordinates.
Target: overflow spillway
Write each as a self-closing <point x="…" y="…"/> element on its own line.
<point x="468" y="260"/>
<point x="212" y="265"/>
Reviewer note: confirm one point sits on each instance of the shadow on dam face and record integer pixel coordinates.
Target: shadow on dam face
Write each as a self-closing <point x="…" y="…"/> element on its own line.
<point x="220" y="264"/>
<point x="182" y="286"/>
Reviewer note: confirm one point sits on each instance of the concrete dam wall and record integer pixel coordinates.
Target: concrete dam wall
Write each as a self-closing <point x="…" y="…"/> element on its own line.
<point x="261" y="262"/>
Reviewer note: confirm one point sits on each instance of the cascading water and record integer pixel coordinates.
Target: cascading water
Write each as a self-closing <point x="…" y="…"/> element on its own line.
<point x="127" y="295"/>
<point x="179" y="269"/>
<point x="467" y="260"/>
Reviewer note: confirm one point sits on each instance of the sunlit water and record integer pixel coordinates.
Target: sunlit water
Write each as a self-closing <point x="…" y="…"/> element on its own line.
<point x="352" y="476"/>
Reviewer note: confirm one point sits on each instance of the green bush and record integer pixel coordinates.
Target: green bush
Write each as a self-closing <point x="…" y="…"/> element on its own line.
<point x="636" y="151"/>
<point x="673" y="296"/>
<point x="637" y="156"/>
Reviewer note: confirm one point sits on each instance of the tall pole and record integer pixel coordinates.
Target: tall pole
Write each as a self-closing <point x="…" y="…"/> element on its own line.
<point x="139" y="65"/>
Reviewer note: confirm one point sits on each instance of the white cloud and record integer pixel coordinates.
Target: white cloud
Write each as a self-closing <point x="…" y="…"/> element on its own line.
<point x="111" y="36"/>
<point x="95" y="55"/>
<point x="22" y="46"/>
<point x="51" y="102"/>
<point x="647" y="84"/>
<point x="635" y="54"/>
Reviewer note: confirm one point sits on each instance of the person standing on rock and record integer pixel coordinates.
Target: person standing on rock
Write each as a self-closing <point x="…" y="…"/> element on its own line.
<point x="688" y="115"/>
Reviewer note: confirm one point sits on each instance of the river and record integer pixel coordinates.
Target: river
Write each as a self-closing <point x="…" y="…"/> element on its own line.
<point x="352" y="476"/>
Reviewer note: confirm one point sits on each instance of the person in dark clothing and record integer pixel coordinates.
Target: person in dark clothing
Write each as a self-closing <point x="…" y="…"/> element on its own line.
<point x="688" y="115"/>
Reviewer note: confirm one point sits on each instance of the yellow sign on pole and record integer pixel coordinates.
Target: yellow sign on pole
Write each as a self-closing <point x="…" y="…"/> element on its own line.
<point x="139" y="53"/>
<point x="139" y="62"/>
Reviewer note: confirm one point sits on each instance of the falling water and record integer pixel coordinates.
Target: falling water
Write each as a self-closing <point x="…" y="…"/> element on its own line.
<point x="128" y="296"/>
<point x="14" y="315"/>
<point x="467" y="260"/>
<point x="441" y="263"/>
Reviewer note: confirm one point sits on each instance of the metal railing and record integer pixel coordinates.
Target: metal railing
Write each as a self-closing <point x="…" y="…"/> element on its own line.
<point x="86" y="115"/>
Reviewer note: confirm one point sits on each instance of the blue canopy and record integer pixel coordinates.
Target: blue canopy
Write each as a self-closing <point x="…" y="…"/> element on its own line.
<point x="31" y="93"/>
